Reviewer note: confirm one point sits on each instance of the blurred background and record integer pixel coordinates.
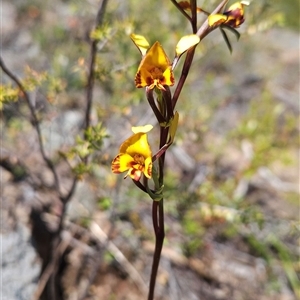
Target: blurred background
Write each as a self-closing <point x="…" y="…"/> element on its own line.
<point x="232" y="176"/>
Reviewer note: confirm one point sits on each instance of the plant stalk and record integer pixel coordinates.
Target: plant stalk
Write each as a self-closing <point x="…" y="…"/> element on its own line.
<point x="158" y="224"/>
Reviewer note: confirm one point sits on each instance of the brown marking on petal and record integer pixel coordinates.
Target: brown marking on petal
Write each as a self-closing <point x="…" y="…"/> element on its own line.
<point x="135" y="174"/>
<point x="236" y="13"/>
<point x="234" y="22"/>
<point x="149" y="80"/>
<point x="138" y="158"/>
<point x="157" y="73"/>
<point x="172" y="78"/>
<point x="115" y="165"/>
<point x="149" y="171"/>
<point x="138" y="80"/>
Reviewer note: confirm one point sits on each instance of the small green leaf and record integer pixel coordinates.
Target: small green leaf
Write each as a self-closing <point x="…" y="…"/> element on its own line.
<point x="233" y="30"/>
<point x="226" y="39"/>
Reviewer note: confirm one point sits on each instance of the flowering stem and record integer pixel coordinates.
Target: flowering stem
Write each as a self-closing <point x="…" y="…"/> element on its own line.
<point x="184" y="74"/>
<point x="158" y="224"/>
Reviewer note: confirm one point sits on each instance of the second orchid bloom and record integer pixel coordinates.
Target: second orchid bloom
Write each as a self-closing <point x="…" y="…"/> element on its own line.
<point x="135" y="155"/>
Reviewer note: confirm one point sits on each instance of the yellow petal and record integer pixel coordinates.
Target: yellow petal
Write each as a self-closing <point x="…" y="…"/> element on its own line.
<point x="141" y="43"/>
<point x="245" y="3"/>
<point x="121" y="163"/>
<point x="142" y="78"/>
<point x="237" y="5"/>
<point x="155" y="57"/>
<point x="217" y="19"/>
<point x="168" y="77"/>
<point x="140" y="146"/>
<point x="144" y="129"/>
<point x="136" y="144"/>
<point x="148" y="167"/>
<point x="186" y="42"/>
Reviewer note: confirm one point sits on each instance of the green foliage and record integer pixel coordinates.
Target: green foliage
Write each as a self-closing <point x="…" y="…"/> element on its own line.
<point x="95" y="136"/>
<point x="83" y="148"/>
<point x="33" y="79"/>
<point x="271" y="133"/>
<point x="290" y="10"/>
<point x="194" y="233"/>
<point x="105" y="32"/>
<point x="81" y="169"/>
<point x="287" y="262"/>
<point x="104" y="203"/>
<point x="252" y="214"/>
<point x="264" y="249"/>
<point x="8" y="94"/>
<point x="259" y="248"/>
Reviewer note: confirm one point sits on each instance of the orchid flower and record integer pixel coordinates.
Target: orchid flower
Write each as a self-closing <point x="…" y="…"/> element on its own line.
<point x="233" y="17"/>
<point x="155" y="69"/>
<point x="135" y="155"/>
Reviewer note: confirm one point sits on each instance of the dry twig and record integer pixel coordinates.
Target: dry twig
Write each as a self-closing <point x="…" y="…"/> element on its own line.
<point x="119" y="256"/>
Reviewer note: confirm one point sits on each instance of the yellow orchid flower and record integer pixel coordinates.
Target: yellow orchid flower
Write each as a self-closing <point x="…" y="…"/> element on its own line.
<point x="232" y="17"/>
<point x="135" y="155"/>
<point x="155" y="69"/>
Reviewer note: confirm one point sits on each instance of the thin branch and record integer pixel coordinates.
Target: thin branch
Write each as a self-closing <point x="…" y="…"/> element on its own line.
<point x="67" y="197"/>
<point x="91" y="75"/>
<point x="35" y="123"/>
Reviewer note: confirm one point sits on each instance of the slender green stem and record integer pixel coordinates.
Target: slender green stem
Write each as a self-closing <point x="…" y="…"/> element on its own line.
<point x="158" y="216"/>
<point x="158" y="224"/>
<point x="184" y="74"/>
